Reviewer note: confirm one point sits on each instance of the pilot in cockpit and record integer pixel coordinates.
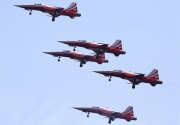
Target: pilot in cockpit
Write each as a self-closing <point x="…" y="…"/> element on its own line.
<point x="95" y="107"/>
<point x="66" y="51"/>
<point x="82" y="40"/>
<point x="37" y="4"/>
<point x="117" y="70"/>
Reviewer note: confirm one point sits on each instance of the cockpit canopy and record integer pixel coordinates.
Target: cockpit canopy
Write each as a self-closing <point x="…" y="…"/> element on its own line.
<point x="95" y="107"/>
<point x="82" y="40"/>
<point x="37" y="4"/>
<point x="117" y="70"/>
<point x="66" y="50"/>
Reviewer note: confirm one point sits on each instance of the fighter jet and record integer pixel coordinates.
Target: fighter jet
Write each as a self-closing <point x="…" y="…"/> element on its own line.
<point x="134" y="78"/>
<point x="71" y="11"/>
<point x="99" y="48"/>
<point x="128" y="114"/>
<point x="82" y="58"/>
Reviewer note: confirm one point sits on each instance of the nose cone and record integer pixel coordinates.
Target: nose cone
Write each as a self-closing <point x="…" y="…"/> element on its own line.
<point x="62" y="41"/>
<point x="48" y="53"/>
<point x="65" y="42"/>
<point x="78" y="108"/>
<point x="100" y="72"/>
<point x="19" y="6"/>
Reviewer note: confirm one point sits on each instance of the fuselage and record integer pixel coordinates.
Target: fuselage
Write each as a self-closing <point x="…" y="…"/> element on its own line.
<point x="52" y="10"/>
<point x="129" y="76"/>
<point x="108" y="113"/>
<point x="95" y="46"/>
<point x="78" y="56"/>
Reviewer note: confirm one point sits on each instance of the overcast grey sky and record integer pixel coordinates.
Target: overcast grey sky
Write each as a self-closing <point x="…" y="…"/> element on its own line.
<point x="35" y="89"/>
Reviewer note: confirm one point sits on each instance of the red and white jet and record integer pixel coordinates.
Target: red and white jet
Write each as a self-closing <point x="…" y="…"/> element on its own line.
<point x="134" y="78"/>
<point x="82" y="58"/>
<point x="99" y="48"/>
<point x="71" y="11"/>
<point x="128" y="114"/>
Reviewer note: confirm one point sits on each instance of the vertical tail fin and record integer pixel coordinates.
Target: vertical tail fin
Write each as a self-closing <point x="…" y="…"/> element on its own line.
<point x="153" y="74"/>
<point x="72" y="7"/>
<point x="128" y="111"/>
<point x="117" y="44"/>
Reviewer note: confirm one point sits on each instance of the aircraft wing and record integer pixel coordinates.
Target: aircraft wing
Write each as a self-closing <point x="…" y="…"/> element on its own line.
<point x="139" y="75"/>
<point x="85" y="58"/>
<point x="59" y="8"/>
<point x="115" y="114"/>
<point x="88" y="56"/>
<point x="103" y="45"/>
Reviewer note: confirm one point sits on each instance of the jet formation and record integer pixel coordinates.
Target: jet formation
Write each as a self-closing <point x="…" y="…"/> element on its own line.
<point x="70" y="11"/>
<point x="127" y="115"/>
<point x="100" y="50"/>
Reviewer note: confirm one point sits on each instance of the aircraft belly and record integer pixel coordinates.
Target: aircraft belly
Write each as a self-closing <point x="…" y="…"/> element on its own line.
<point x="104" y="114"/>
<point x="94" y="49"/>
<point x="80" y="44"/>
<point x="111" y="74"/>
<point x="49" y="12"/>
<point x="128" y="78"/>
<point x="76" y="58"/>
<point x="115" y="74"/>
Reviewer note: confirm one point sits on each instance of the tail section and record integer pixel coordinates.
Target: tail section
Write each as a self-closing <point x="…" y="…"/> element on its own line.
<point x="72" y="7"/>
<point x="153" y="74"/>
<point x="117" y="44"/>
<point x="129" y="111"/>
